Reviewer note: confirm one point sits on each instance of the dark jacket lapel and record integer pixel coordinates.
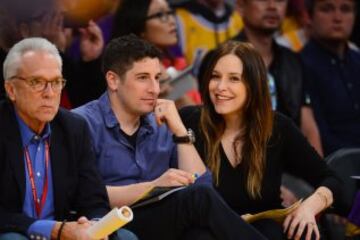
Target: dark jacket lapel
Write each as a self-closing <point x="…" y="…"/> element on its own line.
<point x="59" y="158"/>
<point x="15" y="153"/>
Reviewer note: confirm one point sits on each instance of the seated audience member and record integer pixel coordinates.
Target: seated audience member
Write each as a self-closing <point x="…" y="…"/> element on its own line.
<point x="140" y="142"/>
<point x="294" y="32"/>
<point x="44" y="18"/>
<point x="247" y="146"/>
<point x="332" y="71"/>
<point x="204" y="25"/>
<point x="79" y="12"/>
<point x="154" y="21"/>
<point x="297" y="38"/>
<point x="284" y="68"/>
<point x="47" y="166"/>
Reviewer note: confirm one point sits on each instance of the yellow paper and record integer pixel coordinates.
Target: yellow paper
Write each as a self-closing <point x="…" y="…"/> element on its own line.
<point x="111" y="222"/>
<point x="275" y="214"/>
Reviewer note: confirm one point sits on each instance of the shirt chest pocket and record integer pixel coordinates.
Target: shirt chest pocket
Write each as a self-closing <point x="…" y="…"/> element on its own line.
<point x="116" y="161"/>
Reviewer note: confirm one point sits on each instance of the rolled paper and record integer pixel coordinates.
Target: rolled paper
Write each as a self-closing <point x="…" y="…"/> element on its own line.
<point x="111" y="222"/>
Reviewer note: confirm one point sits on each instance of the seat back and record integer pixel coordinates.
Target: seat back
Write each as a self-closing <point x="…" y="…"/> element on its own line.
<point x="346" y="163"/>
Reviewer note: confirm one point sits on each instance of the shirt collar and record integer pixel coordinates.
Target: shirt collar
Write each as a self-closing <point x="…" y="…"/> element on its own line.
<point x="111" y="120"/>
<point x="28" y="135"/>
<point x="148" y="123"/>
<point x="107" y="112"/>
<point x="320" y="49"/>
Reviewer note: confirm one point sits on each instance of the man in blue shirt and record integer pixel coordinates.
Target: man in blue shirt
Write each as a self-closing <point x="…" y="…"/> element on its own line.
<point x="140" y="142"/>
<point x="332" y="71"/>
<point x="47" y="166"/>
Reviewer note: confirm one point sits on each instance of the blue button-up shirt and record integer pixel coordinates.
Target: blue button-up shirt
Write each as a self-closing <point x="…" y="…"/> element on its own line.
<point x="334" y="87"/>
<point x="118" y="161"/>
<point x="36" y="147"/>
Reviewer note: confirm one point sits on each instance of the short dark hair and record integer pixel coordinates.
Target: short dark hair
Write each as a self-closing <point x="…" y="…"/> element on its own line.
<point x="121" y="53"/>
<point x="130" y="17"/>
<point x="310" y="5"/>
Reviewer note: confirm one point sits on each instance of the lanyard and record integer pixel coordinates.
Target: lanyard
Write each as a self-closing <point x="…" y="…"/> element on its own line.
<point x="39" y="204"/>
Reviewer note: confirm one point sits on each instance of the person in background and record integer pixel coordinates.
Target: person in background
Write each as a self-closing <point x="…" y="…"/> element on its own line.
<point x="296" y="37"/>
<point x="331" y="70"/>
<point x="79" y="12"/>
<point x="140" y="143"/>
<point x="204" y="24"/>
<point x="294" y="32"/>
<point x="48" y="177"/>
<point x="154" y="21"/>
<point x="43" y="18"/>
<point x="247" y="146"/>
<point x="285" y="75"/>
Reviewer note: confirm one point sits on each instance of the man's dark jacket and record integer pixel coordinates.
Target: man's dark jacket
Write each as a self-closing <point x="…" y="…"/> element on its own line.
<point x="78" y="188"/>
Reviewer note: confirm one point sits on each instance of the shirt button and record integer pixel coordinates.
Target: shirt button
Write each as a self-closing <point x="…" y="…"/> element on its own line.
<point x="38" y="149"/>
<point x="36" y="137"/>
<point x="349" y="85"/>
<point x="333" y="61"/>
<point x="38" y="200"/>
<point x="38" y="237"/>
<point x="32" y="236"/>
<point x="38" y="174"/>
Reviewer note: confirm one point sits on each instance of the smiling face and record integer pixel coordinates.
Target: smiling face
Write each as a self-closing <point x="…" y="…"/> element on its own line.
<point x="333" y="20"/>
<point x="138" y="90"/>
<point x="35" y="108"/>
<point x="161" y="30"/>
<point x="263" y="15"/>
<point x="226" y="87"/>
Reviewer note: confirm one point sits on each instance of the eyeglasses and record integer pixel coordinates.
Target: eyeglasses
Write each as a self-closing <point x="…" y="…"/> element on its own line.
<point x="39" y="84"/>
<point x="163" y="16"/>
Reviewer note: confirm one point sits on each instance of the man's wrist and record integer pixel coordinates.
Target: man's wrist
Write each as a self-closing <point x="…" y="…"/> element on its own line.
<point x="188" y="137"/>
<point x="180" y="132"/>
<point x="61" y="229"/>
<point x="55" y="230"/>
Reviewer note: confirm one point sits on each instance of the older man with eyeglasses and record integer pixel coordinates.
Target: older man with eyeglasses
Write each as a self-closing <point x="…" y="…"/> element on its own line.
<point x="49" y="185"/>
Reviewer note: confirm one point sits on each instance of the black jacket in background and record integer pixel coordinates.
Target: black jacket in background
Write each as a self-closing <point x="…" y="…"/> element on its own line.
<point x="287" y="71"/>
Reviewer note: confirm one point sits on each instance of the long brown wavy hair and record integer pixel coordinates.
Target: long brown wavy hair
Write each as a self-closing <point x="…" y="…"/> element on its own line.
<point x="257" y="117"/>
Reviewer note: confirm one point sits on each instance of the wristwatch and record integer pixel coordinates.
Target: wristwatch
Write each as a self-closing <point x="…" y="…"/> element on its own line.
<point x="188" y="138"/>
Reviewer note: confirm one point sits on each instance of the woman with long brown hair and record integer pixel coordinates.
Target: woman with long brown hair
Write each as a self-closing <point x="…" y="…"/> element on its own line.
<point x="247" y="146"/>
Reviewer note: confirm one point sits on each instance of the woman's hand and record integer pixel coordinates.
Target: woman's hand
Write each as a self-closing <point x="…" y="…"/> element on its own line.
<point x="303" y="218"/>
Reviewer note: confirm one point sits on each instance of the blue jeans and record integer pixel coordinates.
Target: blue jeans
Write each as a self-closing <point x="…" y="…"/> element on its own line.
<point x="121" y="234"/>
<point x="12" y="236"/>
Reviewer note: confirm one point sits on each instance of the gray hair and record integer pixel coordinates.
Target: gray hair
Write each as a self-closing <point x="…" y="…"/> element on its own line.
<point x="13" y="58"/>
